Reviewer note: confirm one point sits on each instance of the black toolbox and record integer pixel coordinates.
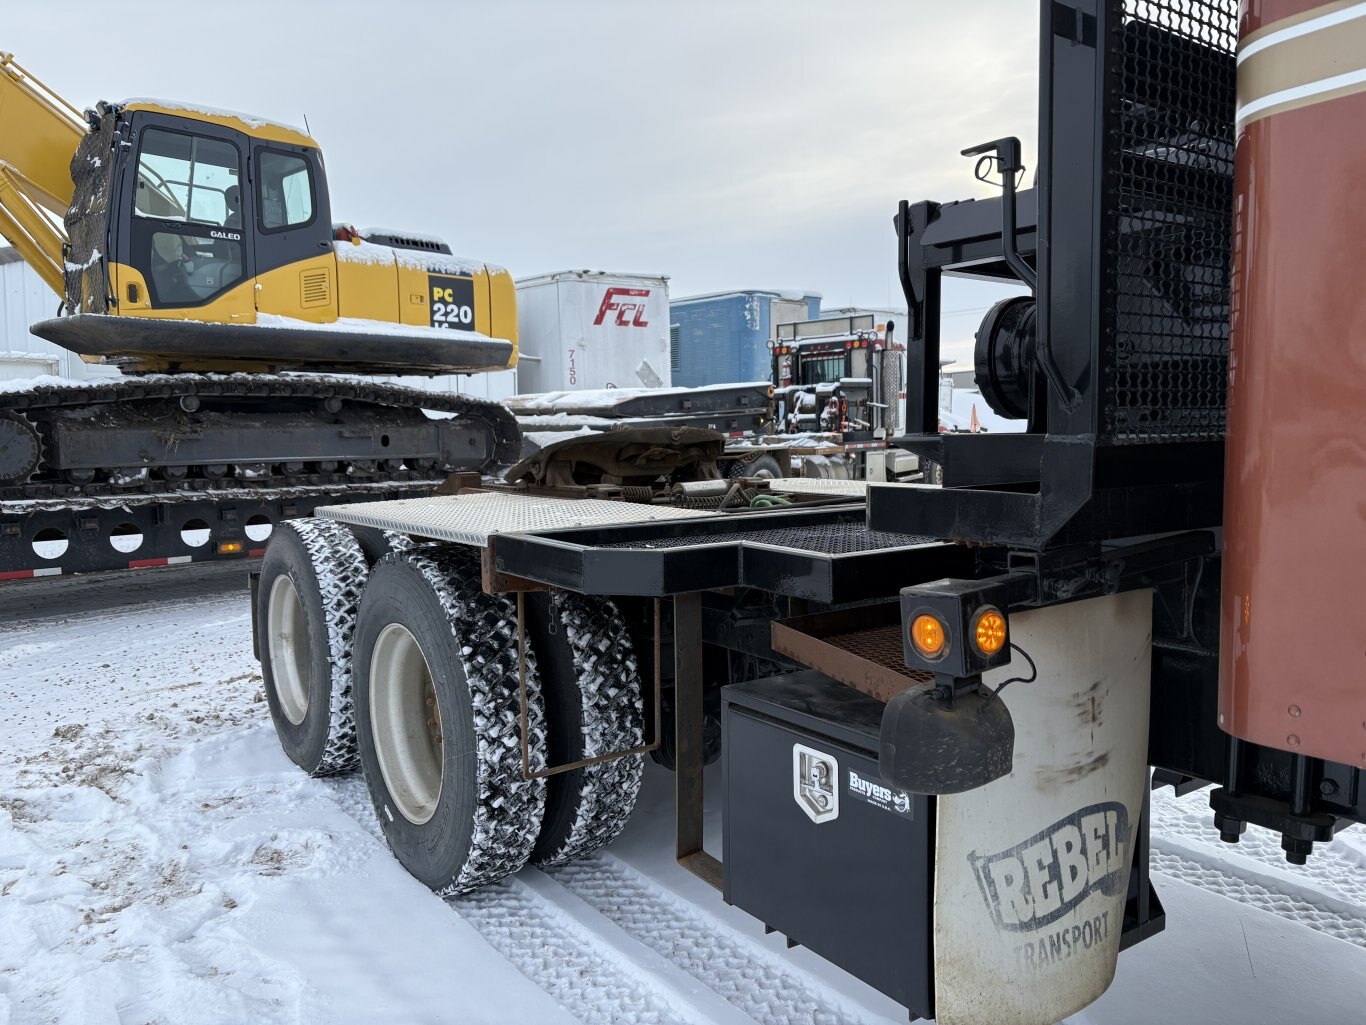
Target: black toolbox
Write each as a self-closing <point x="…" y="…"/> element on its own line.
<point x="815" y="844"/>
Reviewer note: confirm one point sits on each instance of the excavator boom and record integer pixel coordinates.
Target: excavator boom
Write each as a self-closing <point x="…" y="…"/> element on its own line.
<point x="39" y="133"/>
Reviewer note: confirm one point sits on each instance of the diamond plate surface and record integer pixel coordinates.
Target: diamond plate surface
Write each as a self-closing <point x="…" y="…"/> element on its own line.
<point x="472" y="519"/>
<point x="814" y="486"/>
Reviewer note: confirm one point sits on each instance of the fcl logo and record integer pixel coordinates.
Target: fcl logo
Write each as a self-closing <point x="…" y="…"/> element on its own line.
<point x="612" y="301"/>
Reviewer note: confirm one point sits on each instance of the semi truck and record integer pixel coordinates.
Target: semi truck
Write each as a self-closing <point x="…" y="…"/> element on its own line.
<point x="939" y="710"/>
<point x="841" y="377"/>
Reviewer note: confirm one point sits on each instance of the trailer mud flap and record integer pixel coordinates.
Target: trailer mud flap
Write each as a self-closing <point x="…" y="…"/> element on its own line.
<point x="1031" y="870"/>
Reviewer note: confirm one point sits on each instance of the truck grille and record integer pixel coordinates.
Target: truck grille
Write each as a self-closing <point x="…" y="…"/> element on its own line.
<point x="1168" y="235"/>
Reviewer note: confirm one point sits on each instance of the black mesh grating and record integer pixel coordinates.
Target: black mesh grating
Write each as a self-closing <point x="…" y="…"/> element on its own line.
<point x="829" y="539"/>
<point x="1168" y="240"/>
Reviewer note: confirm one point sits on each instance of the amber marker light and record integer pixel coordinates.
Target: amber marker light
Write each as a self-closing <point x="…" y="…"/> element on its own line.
<point x="229" y="547"/>
<point x="928" y="635"/>
<point x="990" y="633"/>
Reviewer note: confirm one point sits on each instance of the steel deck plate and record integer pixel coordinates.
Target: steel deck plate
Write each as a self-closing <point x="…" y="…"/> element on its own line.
<point x="825" y="554"/>
<point x="817" y="486"/>
<point x="826" y="538"/>
<point x="473" y="519"/>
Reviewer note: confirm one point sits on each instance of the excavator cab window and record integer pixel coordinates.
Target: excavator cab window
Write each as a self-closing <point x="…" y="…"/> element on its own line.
<point x="286" y="190"/>
<point x="186" y="187"/>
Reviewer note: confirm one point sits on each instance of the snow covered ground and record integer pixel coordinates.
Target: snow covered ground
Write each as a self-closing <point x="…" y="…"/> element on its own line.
<point x="161" y="861"/>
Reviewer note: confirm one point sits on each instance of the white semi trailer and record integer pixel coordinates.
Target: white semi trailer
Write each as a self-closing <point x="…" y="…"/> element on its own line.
<point x="584" y="329"/>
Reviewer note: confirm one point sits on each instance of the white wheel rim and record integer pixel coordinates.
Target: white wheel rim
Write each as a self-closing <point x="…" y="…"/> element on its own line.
<point x="405" y="724"/>
<point x="289" y="655"/>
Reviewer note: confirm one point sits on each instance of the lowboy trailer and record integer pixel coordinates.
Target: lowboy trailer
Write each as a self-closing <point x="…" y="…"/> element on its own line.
<point x="966" y="692"/>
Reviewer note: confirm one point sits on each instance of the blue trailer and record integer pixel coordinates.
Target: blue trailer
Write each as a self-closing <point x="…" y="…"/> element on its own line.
<point x="722" y="337"/>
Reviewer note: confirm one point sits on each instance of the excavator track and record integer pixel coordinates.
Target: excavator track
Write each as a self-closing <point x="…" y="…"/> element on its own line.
<point x="201" y="432"/>
<point x="140" y="472"/>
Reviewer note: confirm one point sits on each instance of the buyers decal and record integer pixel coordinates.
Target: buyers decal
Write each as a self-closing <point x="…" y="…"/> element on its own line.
<point x="629" y="314"/>
<point x="1035" y="883"/>
<point x="879" y="795"/>
<point x="451" y="301"/>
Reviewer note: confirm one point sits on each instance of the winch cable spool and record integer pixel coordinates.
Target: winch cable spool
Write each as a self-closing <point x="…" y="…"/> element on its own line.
<point x="1004" y="362"/>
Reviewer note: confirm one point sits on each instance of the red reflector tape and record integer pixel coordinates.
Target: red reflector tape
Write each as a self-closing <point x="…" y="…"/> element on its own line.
<point x="27" y="574"/>
<point x="148" y="563"/>
<point x="256" y="553"/>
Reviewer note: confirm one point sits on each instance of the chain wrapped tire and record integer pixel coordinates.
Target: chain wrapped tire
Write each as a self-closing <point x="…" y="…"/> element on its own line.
<point x="437" y="712"/>
<point x="590" y="678"/>
<point x="311" y="581"/>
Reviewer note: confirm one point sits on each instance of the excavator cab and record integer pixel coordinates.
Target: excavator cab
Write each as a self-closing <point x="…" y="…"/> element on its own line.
<point x="198" y="239"/>
<point x="197" y="217"/>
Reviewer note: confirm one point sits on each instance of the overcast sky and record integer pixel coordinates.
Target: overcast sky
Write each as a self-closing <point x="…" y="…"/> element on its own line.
<point x="729" y="145"/>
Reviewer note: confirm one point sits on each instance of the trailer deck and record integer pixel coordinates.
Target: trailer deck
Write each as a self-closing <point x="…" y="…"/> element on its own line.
<point x="592" y="546"/>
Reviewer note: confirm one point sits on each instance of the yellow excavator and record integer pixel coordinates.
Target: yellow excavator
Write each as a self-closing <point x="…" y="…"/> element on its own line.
<point x="199" y="239"/>
<point x="195" y="249"/>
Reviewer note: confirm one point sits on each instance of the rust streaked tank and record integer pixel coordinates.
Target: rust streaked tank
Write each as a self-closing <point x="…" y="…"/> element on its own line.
<point x="1293" y="652"/>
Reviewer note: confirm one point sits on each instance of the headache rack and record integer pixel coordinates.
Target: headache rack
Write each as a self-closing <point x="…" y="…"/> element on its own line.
<point x="1128" y="232"/>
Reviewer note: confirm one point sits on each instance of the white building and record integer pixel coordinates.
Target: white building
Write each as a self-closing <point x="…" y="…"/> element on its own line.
<point x="25" y="300"/>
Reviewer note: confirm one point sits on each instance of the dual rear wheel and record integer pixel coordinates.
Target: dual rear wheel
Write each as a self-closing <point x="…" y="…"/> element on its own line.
<point x="428" y="685"/>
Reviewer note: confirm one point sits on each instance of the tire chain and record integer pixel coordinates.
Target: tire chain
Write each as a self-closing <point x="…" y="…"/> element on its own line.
<point x="501" y="424"/>
<point x="341" y="572"/>
<point x="608" y="677"/>
<point x="508" y="807"/>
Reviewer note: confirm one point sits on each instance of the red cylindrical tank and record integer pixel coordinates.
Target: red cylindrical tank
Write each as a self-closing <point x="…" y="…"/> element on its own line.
<point x="1293" y="646"/>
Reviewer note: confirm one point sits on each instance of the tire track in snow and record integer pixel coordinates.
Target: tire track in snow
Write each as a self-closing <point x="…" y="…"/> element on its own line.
<point x="750" y="978"/>
<point x="1336" y="869"/>
<point x="523" y="927"/>
<point x="1221" y="878"/>
<point x="527" y="930"/>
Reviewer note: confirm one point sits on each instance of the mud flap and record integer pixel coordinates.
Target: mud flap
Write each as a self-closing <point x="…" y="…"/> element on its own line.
<point x="1031" y="870"/>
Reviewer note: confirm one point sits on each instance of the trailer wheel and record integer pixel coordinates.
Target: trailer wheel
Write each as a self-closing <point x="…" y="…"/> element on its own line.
<point x="437" y="713"/>
<point x="765" y="467"/>
<point x="591" y="681"/>
<point x="376" y="543"/>
<point x="311" y="581"/>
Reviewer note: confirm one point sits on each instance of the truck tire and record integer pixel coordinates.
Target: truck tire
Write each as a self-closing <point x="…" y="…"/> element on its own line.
<point x="306" y="602"/>
<point x="767" y="466"/>
<point x="591" y="681"/>
<point x="437" y="715"/>
<point x="376" y="543"/>
<point x="817" y="468"/>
